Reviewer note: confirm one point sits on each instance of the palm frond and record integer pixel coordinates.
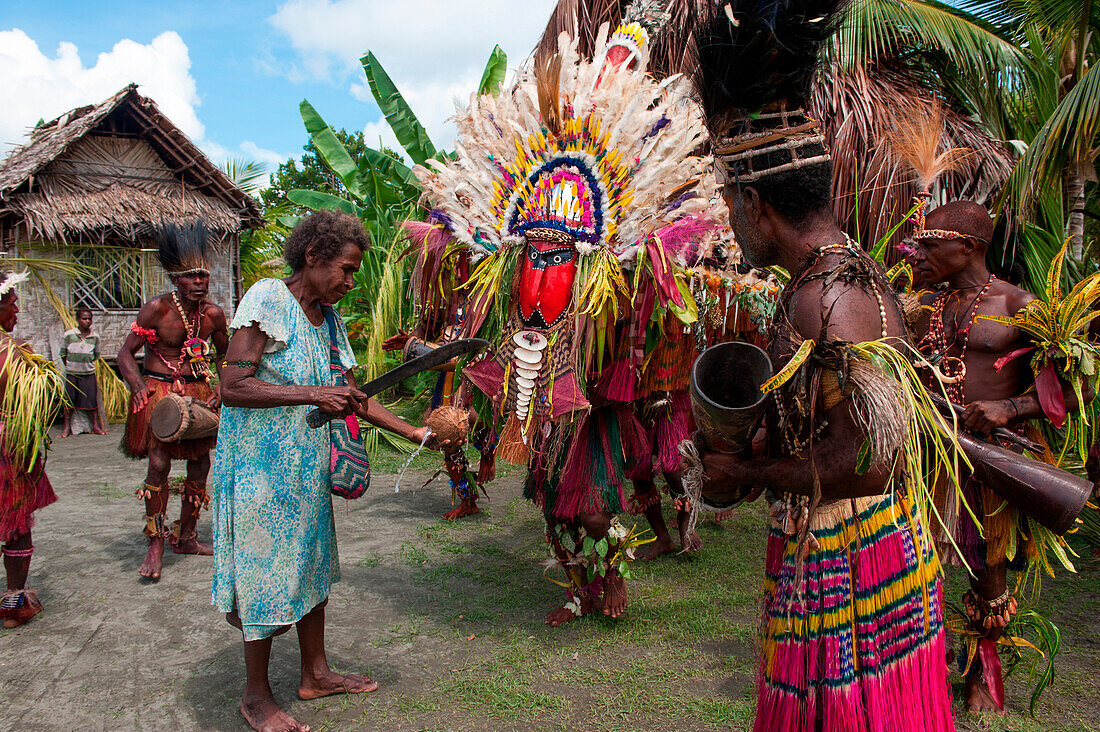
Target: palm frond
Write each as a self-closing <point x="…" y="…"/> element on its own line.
<point x="1067" y="138"/>
<point x="874" y="30"/>
<point x="33" y="391"/>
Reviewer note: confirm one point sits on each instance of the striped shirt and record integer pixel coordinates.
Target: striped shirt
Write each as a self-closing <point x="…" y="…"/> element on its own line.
<point x="79" y="353"/>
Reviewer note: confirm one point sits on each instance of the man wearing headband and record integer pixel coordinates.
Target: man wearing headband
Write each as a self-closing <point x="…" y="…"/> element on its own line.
<point x="175" y="330"/>
<point x="852" y="614"/>
<point x="973" y="352"/>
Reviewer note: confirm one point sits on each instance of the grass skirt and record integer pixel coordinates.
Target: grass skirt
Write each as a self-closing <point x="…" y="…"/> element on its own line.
<point x="859" y="645"/>
<point x="22" y="492"/>
<point x="138" y="437"/>
<point x="588" y="474"/>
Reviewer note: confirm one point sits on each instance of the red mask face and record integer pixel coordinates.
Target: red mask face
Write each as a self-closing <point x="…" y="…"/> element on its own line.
<point x="546" y="288"/>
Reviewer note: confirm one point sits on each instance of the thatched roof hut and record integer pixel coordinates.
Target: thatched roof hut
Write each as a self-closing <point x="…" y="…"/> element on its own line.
<point x="89" y="187"/>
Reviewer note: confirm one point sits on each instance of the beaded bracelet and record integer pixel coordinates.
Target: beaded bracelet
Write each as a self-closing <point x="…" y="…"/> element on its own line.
<point x="241" y="364"/>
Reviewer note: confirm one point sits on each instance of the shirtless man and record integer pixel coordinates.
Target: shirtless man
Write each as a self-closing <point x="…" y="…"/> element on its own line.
<point x="951" y="250"/>
<point x="174" y="329"/>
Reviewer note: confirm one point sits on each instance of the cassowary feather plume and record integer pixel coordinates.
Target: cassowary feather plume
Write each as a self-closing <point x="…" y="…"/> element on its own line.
<point x="182" y="249"/>
<point x="758" y="55"/>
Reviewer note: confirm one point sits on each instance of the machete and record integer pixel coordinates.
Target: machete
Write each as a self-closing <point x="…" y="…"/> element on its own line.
<point x="437" y="357"/>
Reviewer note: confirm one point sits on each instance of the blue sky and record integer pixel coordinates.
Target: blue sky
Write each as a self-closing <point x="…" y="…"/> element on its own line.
<point x="232" y="73"/>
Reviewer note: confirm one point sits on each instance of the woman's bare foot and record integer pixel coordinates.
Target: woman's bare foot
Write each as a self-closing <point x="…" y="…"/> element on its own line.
<point x="99" y="431"/>
<point x="192" y="546"/>
<point x="150" y="568"/>
<point x="66" y="433"/>
<point x="655" y="548"/>
<point x="978" y="698"/>
<point x="614" y="595"/>
<point x="265" y="715"/>
<point x="314" y="686"/>
<point x="467" y="507"/>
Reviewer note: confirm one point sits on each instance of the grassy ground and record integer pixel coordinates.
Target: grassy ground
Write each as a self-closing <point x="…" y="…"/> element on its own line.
<point x="448" y="617"/>
<point x="682" y="658"/>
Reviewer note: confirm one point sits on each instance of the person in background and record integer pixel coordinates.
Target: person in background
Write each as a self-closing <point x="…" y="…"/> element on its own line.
<point x="79" y="352"/>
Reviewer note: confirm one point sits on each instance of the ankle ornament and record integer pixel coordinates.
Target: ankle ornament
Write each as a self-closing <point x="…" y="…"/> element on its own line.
<point x="22" y="553"/>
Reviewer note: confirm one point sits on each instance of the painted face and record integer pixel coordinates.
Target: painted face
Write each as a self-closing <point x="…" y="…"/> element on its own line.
<point x="546" y="287"/>
<point x="935" y="260"/>
<point x="9" y="311"/>
<point x="192" y="288"/>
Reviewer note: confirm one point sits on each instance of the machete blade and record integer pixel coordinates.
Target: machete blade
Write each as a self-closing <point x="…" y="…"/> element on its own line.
<point x="437" y="357"/>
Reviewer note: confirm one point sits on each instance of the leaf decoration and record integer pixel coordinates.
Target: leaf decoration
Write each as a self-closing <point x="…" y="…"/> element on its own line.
<point x="495" y="70"/>
<point x="791" y="368"/>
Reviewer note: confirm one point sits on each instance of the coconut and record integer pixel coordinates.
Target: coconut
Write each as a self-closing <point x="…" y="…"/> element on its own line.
<point x="449" y="423"/>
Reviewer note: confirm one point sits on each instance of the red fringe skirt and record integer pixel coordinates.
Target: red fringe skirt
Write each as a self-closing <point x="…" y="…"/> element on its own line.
<point x="22" y="492"/>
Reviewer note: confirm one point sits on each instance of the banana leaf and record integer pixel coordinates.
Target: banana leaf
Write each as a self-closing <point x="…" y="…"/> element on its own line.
<point x="410" y="133"/>
<point x="320" y="201"/>
<point x="331" y="149"/>
<point x="493" y="76"/>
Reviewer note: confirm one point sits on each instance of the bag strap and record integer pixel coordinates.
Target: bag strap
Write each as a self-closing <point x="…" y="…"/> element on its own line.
<point x="334" y="350"/>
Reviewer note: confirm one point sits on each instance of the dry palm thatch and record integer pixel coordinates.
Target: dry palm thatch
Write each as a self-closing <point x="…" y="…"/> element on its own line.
<point x="121" y="165"/>
<point x="873" y="187"/>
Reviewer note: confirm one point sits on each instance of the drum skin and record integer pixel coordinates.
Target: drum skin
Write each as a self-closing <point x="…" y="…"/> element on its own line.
<point x="177" y="418"/>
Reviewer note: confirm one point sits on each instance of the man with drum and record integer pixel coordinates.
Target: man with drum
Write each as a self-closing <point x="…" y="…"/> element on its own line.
<point x="994" y="383"/>
<point x="175" y="330"/>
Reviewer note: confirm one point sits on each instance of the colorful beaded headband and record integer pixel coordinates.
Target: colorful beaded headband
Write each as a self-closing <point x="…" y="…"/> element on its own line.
<point x="946" y="234"/>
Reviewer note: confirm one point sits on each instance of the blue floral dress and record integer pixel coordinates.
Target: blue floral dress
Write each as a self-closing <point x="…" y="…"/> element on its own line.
<point x="274" y="535"/>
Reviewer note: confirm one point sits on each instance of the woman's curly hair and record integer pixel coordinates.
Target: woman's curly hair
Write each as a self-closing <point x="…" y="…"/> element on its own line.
<point x="326" y="232"/>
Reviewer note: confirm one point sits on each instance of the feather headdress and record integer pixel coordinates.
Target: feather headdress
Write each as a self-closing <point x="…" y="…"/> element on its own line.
<point x="918" y="142"/>
<point x="182" y="249"/>
<point x="755" y="61"/>
<point x="11" y="280"/>
<point x="595" y="155"/>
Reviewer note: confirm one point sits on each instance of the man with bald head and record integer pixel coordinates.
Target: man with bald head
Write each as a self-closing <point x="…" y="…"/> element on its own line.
<point x="950" y="252"/>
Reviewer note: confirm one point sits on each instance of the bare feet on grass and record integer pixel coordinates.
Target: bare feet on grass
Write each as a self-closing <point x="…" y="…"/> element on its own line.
<point x="614" y="595"/>
<point x="562" y="615"/>
<point x="689" y="540"/>
<point x="316" y="685"/>
<point x="265" y="715"/>
<point x="654" y="549"/>
<point x="150" y="568"/>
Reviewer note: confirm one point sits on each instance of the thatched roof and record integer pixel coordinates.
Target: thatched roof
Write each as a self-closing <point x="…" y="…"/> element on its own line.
<point x="119" y="165"/>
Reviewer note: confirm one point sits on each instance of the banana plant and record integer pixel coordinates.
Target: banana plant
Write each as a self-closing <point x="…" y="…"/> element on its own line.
<point x="383" y="192"/>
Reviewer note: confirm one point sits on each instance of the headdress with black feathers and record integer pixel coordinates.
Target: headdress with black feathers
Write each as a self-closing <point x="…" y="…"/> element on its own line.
<point x="182" y="249"/>
<point x="755" y="61"/>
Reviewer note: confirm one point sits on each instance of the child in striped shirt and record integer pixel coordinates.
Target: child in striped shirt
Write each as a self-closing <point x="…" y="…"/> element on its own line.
<point x="79" y="353"/>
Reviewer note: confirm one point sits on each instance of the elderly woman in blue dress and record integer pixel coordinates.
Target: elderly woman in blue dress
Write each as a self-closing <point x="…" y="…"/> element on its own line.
<point x="274" y="536"/>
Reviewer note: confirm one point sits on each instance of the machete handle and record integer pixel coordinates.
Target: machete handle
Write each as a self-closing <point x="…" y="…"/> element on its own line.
<point x="319" y="418"/>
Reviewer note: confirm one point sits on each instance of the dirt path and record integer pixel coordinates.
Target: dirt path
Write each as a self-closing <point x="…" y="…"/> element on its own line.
<point x="448" y="618"/>
<point x="111" y="651"/>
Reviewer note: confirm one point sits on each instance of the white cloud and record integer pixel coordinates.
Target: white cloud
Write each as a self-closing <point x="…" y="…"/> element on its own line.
<point x="36" y="86"/>
<point x="434" y="50"/>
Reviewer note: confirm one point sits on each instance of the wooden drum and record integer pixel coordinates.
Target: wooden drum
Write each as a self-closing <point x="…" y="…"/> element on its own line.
<point x="176" y="418"/>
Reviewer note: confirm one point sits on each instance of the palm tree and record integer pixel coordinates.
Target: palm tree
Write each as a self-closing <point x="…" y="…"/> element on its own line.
<point x="260" y="250"/>
<point x="1055" y="112"/>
